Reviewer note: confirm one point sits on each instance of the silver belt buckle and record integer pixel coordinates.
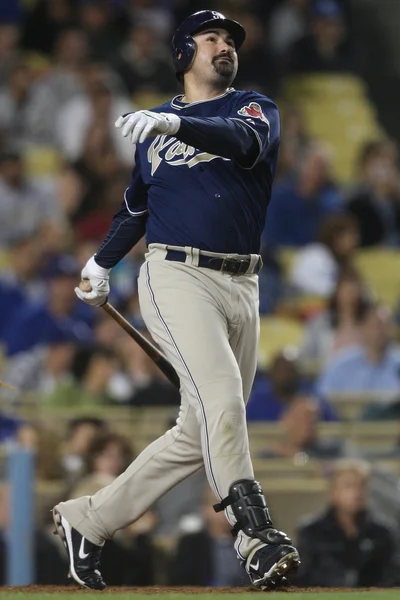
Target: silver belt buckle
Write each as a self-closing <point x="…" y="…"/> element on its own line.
<point x="227" y="258"/>
<point x="237" y="260"/>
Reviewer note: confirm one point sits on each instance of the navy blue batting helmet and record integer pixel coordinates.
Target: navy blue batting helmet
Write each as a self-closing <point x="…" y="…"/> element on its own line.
<point x="183" y="44"/>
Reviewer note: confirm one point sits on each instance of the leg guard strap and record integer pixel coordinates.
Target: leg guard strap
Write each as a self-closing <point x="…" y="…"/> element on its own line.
<point x="249" y="508"/>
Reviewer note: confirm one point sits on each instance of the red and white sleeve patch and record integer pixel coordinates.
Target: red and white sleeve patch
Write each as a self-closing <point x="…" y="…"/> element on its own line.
<point x="254" y="111"/>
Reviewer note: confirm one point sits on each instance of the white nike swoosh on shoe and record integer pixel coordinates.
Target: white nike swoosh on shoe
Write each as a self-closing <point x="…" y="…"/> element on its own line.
<point x="82" y="554"/>
<point x="256" y="565"/>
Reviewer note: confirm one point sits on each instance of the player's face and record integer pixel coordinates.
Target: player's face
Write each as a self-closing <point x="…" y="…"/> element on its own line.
<point x="216" y="57"/>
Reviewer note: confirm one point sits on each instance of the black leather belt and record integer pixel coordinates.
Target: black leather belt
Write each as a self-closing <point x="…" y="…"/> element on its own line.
<point x="230" y="265"/>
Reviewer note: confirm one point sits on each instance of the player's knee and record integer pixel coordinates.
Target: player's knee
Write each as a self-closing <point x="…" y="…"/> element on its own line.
<point x="230" y="422"/>
<point x="227" y="428"/>
<point x="233" y="404"/>
<point x="225" y="395"/>
<point x="222" y="407"/>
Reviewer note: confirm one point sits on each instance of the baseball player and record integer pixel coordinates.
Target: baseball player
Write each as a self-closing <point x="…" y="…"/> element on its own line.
<point x="204" y="166"/>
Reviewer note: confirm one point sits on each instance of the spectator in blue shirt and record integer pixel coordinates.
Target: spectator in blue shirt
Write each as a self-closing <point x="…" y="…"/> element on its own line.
<point x="9" y="428"/>
<point x="23" y="267"/>
<point x="37" y="324"/>
<point x="298" y="206"/>
<point x="373" y="366"/>
<point x="11" y="300"/>
<point x="273" y="394"/>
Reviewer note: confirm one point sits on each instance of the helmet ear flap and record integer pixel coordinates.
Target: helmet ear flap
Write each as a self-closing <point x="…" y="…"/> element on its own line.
<point x="184" y="54"/>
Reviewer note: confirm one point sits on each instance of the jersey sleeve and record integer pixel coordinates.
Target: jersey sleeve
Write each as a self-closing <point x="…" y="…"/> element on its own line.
<point x="220" y="136"/>
<point x="261" y="115"/>
<point x="129" y="223"/>
<point x="135" y="195"/>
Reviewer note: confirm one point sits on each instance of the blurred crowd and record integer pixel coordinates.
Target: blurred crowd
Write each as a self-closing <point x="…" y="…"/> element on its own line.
<point x="68" y="69"/>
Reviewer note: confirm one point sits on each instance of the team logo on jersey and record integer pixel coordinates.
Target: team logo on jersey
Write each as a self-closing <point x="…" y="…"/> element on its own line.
<point x="253" y="110"/>
<point x="176" y="153"/>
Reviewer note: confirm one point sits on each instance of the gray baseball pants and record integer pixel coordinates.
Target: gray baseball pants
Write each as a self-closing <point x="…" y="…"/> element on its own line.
<point x="207" y="324"/>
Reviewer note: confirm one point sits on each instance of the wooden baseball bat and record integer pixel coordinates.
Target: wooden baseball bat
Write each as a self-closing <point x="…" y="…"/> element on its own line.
<point x="8" y="386"/>
<point x="162" y="363"/>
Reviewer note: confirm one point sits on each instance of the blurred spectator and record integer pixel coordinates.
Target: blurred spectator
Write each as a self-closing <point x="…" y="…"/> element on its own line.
<point x="107" y="456"/>
<point x="45" y="22"/>
<point x="15" y="97"/>
<point x="372" y="367"/>
<point x="59" y="85"/>
<point x="126" y="273"/>
<point x="46" y="443"/>
<point x="287" y="25"/>
<point x="375" y="202"/>
<point x="271" y="396"/>
<point x="144" y="64"/>
<point x="324" y="48"/>
<point x="10" y="12"/>
<point x="253" y="53"/>
<point x="108" y="333"/>
<point x="339" y="326"/>
<point x="152" y="13"/>
<point x="10" y="428"/>
<point x="300" y="434"/>
<point x="205" y="555"/>
<point x="182" y="500"/>
<point x="294" y="142"/>
<point x="129" y="558"/>
<point x="80" y="434"/>
<point x="40" y="370"/>
<point x="299" y="205"/>
<point x="98" y="20"/>
<point x="9" y="50"/>
<point x="316" y="268"/>
<point x="92" y="219"/>
<point x="82" y="184"/>
<point x="41" y="323"/>
<point x="25" y="257"/>
<point x="91" y="372"/>
<point x="270" y="281"/>
<point x="151" y="388"/>
<point x="348" y="545"/>
<point x="97" y="108"/>
<point x="11" y="300"/>
<point x="26" y="206"/>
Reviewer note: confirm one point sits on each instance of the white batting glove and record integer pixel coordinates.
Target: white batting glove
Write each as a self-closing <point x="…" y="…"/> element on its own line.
<point x="98" y="279"/>
<point x="143" y="124"/>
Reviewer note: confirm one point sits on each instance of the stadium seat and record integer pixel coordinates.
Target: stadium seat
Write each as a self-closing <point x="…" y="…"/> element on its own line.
<point x="352" y="120"/>
<point x="282" y="468"/>
<point x="276" y="333"/>
<point x="380" y="267"/>
<point x="378" y="437"/>
<point x="4" y="260"/>
<point x="42" y="161"/>
<point x="349" y="406"/>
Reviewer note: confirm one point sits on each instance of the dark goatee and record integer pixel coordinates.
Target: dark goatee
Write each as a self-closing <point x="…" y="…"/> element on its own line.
<point x="224" y="68"/>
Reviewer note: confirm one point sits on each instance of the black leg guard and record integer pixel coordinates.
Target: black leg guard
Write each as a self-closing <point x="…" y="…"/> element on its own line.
<point x="250" y="509"/>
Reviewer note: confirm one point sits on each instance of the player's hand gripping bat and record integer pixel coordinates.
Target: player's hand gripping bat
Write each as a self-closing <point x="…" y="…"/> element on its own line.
<point x="162" y="363"/>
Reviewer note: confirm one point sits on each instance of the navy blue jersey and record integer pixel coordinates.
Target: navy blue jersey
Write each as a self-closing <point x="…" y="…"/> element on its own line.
<point x="209" y="185"/>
